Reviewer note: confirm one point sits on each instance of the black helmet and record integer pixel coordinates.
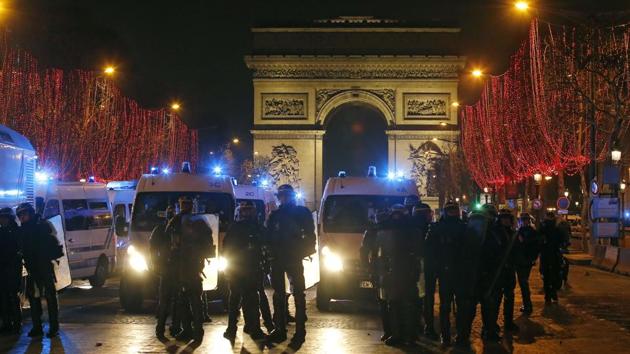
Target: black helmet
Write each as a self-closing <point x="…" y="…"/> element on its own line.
<point x="411" y="200"/>
<point x="505" y="213"/>
<point x="490" y="210"/>
<point x="286" y="188"/>
<point x="25" y="207"/>
<point x="8" y="212"/>
<point x="450" y="205"/>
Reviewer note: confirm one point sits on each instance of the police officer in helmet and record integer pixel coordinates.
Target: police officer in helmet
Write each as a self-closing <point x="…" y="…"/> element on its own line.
<point x="164" y="266"/>
<point x="242" y="247"/>
<point x="40" y="249"/>
<point x="290" y="238"/>
<point x="447" y="235"/>
<point x="10" y="272"/>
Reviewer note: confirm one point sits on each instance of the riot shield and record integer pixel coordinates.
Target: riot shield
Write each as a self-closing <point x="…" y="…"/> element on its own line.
<point x="211" y="265"/>
<point x="61" y="266"/>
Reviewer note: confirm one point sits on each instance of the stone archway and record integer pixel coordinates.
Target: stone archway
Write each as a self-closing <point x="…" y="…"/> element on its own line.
<point x="354" y="139"/>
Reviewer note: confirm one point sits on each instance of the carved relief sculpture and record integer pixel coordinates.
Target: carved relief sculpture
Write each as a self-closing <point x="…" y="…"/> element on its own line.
<point x="284" y="165"/>
<point x="388" y="96"/>
<point x="284" y="106"/>
<point x="426" y="106"/>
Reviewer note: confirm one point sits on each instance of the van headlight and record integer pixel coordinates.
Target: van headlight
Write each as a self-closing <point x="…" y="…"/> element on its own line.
<point x="222" y="264"/>
<point x="332" y="261"/>
<point x="137" y="261"/>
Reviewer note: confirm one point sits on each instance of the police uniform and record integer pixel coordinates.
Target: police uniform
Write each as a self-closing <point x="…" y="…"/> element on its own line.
<point x="242" y="246"/>
<point x="551" y="258"/>
<point x="40" y="248"/>
<point x="526" y="252"/>
<point x="10" y="272"/>
<point x="290" y="238"/>
<point x="507" y="280"/>
<point x="192" y="242"/>
<point x="447" y="235"/>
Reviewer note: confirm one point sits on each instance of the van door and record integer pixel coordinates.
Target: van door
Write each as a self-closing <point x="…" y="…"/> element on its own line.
<point x="101" y="231"/>
<point x="78" y="240"/>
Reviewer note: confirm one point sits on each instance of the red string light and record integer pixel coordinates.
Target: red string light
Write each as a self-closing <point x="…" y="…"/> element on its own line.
<point x="81" y="124"/>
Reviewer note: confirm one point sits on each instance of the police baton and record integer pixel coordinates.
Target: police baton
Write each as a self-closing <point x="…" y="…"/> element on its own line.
<point x="504" y="260"/>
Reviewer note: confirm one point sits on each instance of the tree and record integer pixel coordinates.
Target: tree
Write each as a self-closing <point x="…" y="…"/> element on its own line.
<point x="257" y="169"/>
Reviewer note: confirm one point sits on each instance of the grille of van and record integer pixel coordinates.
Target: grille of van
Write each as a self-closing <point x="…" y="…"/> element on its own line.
<point x="29" y="180"/>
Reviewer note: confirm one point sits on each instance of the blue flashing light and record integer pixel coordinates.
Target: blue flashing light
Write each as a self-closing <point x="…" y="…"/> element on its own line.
<point x="217" y="170"/>
<point x="91" y="179"/>
<point x="391" y="175"/>
<point x="298" y="195"/>
<point x="42" y="177"/>
<point x="264" y="183"/>
<point x="626" y="214"/>
<point x="166" y="171"/>
<point x="400" y="174"/>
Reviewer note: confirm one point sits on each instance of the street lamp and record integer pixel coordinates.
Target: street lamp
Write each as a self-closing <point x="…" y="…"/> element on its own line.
<point x="235" y="141"/>
<point x="622" y="188"/>
<point x="176" y="106"/>
<point x="548" y="178"/>
<point x="109" y="70"/>
<point x="477" y="73"/>
<point x="521" y="6"/>
<point x="566" y="194"/>
<point x="455" y="104"/>
<point x="615" y="155"/>
<point x="537" y="178"/>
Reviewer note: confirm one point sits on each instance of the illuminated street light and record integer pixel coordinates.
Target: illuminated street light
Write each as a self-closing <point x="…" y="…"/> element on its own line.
<point x="615" y="155"/>
<point x="537" y="178"/>
<point x="176" y="106"/>
<point x="109" y="70"/>
<point x="566" y="194"/>
<point x="256" y="153"/>
<point x="455" y="104"/>
<point x="548" y="178"/>
<point x="477" y="73"/>
<point x="622" y="186"/>
<point x="522" y="6"/>
<point x="235" y="141"/>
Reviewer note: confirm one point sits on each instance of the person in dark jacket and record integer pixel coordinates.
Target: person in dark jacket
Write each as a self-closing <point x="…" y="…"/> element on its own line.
<point x="551" y="257"/>
<point x="290" y="238"/>
<point x="526" y="252"/>
<point x="164" y="266"/>
<point x="40" y="248"/>
<point x="242" y="247"/>
<point x="191" y="244"/>
<point x="492" y="250"/>
<point x="446" y="235"/>
<point x="431" y="267"/>
<point x="10" y="272"/>
<point x="394" y="261"/>
<point x="507" y="278"/>
<point x="421" y="219"/>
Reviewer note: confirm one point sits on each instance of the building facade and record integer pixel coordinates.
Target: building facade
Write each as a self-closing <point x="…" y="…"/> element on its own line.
<point x="302" y="75"/>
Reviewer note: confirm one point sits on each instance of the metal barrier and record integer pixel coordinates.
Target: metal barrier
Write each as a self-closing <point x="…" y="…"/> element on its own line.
<point x="598" y="255"/>
<point x="611" y="257"/>
<point x="623" y="267"/>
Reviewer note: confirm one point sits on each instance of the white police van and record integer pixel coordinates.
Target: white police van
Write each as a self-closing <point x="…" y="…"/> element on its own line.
<point x="211" y="194"/>
<point x="87" y="226"/>
<point x="348" y="204"/>
<point x="17" y="169"/>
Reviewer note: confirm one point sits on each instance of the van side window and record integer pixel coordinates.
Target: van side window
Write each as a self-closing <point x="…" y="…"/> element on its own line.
<point x="75" y="213"/>
<point x="100" y="217"/>
<point x="119" y="210"/>
<point x="51" y="209"/>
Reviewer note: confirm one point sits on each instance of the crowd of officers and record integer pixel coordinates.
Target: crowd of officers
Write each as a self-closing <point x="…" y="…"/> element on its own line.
<point x="471" y="262"/>
<point x="32" y="244"/>
<point x="253" y="251"/>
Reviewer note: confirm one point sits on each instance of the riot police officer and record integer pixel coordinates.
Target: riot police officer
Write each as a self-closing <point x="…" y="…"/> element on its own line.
<point x="430" y="281"/>
<point x="551" y="257"/>
<point x="507" y="278"/>
<point x="242" y="246"/>
<point x="421" y="218"/>
<point x="290" y="238"/>
<point x="446" y="235"/>
<point x="526" y="251"/>
<point x="40" y="248"/>
<point x="10" y="272"/>
<point x="394" y="262"/>
<point x="191" y="243"/>
<point x="164" y="266"/>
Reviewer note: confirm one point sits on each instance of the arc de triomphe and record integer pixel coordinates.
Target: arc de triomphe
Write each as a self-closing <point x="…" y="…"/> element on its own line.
<point x="301" y="75"/>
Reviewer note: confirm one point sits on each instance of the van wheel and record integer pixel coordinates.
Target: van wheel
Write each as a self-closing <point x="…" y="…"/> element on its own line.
<point x="130" y="297"/>
<point x="323" y="298"/>
<point x="100" y="274"/>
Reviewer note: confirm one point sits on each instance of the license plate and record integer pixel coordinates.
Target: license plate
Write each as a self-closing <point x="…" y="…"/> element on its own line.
<point x="366" y="284"/>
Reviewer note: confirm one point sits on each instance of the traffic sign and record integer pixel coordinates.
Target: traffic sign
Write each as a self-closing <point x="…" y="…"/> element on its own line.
<point x="537" y="204"/>
<point x="563" y="203"/>
<point x="594" y="187"/>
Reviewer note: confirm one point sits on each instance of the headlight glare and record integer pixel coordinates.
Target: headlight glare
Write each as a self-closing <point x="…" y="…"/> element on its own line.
<point x="333" y="262"/>
<point x="137" y="261"/>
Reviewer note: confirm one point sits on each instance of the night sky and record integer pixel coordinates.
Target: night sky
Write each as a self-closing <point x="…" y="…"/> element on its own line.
<point x="192" y="50"/>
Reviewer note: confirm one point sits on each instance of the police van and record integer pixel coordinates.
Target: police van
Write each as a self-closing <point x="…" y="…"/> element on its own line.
<point x="263" y="199"/>
<point x="121" y="195"/>
<point x="17" y="169"/>
<point x="86" y="218"/>
<point x="211" y="194"/>
<point x="348" y="204"/>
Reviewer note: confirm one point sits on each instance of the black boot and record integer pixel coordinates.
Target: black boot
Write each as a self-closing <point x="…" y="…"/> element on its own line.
<point x="277" y="336"/>
<point x="230" y="334"/>
<point x="36" y="331"/>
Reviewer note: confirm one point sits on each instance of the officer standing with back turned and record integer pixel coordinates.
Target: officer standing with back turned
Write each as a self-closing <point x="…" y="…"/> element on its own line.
<point x="290" y="238"/>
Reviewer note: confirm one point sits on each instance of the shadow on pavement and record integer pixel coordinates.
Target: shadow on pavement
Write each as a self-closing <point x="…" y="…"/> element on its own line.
<point x="528" y="330"/>
<point x="558" y="314"/>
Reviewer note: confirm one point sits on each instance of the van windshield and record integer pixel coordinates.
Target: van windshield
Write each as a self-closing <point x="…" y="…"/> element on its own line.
<point x="148" y="205"/>
<point x="260" y="208"/>
<point x="351" y="213"/>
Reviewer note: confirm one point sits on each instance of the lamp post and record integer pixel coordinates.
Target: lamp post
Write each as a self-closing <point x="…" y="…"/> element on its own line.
<point x="622" y="189"/>
<point x="485" y="193"/>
